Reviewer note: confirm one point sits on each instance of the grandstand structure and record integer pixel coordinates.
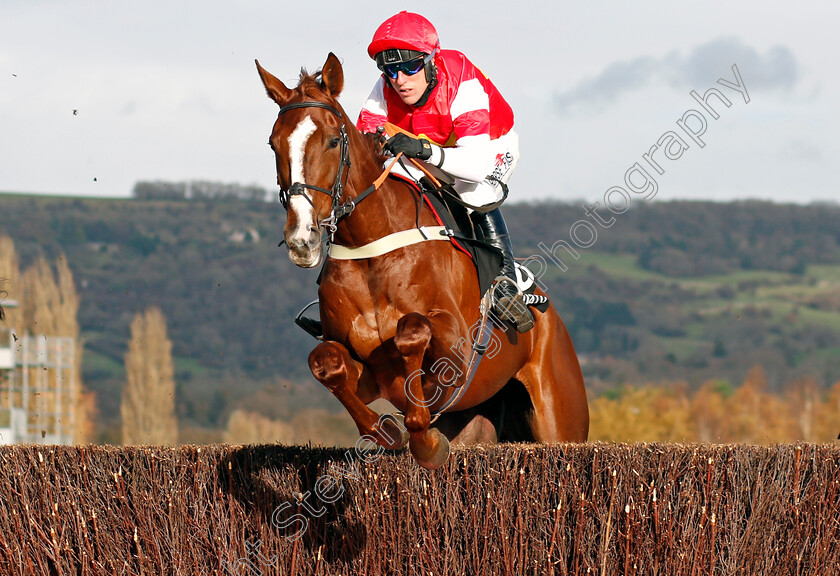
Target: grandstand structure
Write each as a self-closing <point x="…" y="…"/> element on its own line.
<point x="37" y="391"/>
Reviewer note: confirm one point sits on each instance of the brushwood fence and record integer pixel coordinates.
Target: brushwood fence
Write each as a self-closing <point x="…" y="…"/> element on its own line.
<point x="606" y="509"/>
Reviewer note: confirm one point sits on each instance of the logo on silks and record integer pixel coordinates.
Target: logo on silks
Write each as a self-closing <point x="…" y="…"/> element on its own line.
<point x="524" y="277"/>
<point x="502" y="165"/>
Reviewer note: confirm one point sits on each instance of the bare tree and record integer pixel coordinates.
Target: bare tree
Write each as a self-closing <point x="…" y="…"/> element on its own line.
<point x="148" y="402"/>
<point x="67" y="324"/>
<point x="9" y="278"/>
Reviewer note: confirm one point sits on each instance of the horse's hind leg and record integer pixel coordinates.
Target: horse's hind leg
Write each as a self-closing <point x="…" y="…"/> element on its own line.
<point x="554" y="382"/>
<point x="467" y="427"/>
<point x="428" y="446"/>
<point x="332" y="366"/>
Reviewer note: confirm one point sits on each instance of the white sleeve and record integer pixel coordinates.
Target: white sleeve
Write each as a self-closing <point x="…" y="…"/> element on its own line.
<point x="471" y="159"/>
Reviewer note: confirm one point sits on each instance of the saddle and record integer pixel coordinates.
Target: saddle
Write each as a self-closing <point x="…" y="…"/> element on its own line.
<point x="464" y="236"/>
<point x="451" y="212"/>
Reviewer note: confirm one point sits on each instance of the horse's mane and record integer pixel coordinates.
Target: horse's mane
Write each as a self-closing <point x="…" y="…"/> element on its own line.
<point x="311" y="86"/>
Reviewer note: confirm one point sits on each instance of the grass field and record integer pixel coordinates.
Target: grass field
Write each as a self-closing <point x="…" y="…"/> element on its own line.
<point x="770" y="309"/>
<point x="761" y="288"/>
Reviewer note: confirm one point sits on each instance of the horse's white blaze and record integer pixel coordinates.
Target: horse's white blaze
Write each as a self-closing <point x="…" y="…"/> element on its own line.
<point x="297" y="149"/>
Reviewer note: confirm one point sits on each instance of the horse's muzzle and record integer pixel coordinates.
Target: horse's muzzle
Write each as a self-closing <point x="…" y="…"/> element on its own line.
<point x="305" y="251"/>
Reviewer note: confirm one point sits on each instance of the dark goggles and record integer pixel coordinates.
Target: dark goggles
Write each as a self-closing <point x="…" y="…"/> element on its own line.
<point x="409" y="68"/>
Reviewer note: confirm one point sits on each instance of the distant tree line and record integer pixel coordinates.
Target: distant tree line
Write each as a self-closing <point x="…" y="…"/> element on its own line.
<point x="718" y="412"/>
<point x="688" y="239"/>
<point x="198" y="190"/>
<point x="229" y="305"/>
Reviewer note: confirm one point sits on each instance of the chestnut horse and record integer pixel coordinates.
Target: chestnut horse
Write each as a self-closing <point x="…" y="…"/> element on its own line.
<point x="388" y="318"/>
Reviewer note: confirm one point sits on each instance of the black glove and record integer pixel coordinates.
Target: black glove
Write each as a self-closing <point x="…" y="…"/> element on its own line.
<point x="410" y="147"/>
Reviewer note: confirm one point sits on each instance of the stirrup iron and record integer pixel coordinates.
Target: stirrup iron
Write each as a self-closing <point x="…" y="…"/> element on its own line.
<point x="311" y="326"/>
<point x="512" y="308"/>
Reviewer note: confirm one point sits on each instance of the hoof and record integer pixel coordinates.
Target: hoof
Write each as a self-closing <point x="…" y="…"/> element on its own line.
<point x="391" y="433"/>
<point x="430" y="450"/>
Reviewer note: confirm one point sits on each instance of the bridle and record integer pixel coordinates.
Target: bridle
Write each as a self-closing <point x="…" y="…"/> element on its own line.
<point x="338" y="210"/>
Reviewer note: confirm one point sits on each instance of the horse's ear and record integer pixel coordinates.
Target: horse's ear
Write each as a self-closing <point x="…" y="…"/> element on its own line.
<point x="277" y="91"/>
<point x="332" y="76"/>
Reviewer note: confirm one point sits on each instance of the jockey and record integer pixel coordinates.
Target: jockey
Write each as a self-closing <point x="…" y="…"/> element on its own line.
<point x="464" y="128"/>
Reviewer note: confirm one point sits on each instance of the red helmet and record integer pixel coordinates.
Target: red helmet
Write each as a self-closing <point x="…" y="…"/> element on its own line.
<point x="405" y="31"/>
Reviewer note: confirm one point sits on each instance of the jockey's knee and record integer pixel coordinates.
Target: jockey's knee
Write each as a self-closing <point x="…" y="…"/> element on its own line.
<point x="480" y="193"/>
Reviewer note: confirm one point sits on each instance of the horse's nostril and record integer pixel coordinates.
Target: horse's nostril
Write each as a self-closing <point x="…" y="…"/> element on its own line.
<point x="314" y="236"/>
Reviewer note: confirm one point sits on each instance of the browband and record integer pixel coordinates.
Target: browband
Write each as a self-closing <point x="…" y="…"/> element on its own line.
<point x="312" y="104"/>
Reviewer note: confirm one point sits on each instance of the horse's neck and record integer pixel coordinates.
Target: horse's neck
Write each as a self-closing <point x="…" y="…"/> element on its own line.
<point x="391" y="208"/>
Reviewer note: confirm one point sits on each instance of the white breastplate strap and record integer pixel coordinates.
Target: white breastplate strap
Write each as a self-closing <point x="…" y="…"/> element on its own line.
<point x="388" y="243"/>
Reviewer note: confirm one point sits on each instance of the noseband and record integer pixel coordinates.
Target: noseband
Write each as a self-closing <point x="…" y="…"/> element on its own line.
<point x="298" y="188"/>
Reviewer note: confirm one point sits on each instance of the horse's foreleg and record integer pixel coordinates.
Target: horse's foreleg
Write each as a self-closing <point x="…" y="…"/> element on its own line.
<point x="412" y="339"/>
<point x="332" y="366"/>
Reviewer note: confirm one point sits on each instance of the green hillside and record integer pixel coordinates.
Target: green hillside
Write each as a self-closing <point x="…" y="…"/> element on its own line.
<point x="669" y="291"/>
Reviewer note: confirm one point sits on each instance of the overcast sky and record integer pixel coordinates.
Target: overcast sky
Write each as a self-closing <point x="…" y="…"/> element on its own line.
<point x="97" y="95"/>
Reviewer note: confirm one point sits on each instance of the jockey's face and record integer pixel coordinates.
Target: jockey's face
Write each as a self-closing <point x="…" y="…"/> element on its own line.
<point x="410" y="88"/>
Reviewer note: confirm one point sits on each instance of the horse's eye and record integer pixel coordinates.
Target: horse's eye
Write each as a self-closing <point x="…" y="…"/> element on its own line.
<point x="334" y="141"/>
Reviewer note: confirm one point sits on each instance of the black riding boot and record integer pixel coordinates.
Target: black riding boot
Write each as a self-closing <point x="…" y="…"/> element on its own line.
<point x="508" y="302"/>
